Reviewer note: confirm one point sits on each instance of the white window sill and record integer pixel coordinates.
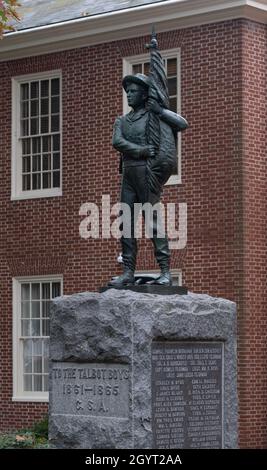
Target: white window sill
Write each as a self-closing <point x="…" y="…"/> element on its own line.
<point x="44" y="399"/>
<point x="173" y="180"/>
<point x="36" y="194"/>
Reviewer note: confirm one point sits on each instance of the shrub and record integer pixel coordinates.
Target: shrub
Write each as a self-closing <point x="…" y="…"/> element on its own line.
<point x="41" y="429"/>
<point x="33" y="438"/>
<point x="17" y="440"/>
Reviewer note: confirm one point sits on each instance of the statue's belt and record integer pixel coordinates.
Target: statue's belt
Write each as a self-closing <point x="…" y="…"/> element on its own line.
<point x="128" y="163"/>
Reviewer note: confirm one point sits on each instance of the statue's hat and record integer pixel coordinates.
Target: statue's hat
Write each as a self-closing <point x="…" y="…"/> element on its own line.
<point x="139" y="79"/>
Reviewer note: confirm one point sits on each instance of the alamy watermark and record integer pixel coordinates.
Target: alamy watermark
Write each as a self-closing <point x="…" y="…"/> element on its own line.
<point x="121" y="219"/>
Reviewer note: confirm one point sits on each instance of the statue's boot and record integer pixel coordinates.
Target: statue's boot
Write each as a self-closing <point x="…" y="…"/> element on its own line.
<point x="126" y="279"/>
<point x="162" y="254"/>
<point x="165" y="279"/>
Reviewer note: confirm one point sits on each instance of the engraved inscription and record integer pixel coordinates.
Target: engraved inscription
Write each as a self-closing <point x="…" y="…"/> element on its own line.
<point x="90" y="389"/>
<point x="187" y="398"/>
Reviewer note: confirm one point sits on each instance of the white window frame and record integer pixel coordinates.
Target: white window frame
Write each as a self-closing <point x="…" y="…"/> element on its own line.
<point x="128" y="62"/>
<point x="16" y="174"/>
<point x="174" y="272"/>
<point x="18" y="393"/>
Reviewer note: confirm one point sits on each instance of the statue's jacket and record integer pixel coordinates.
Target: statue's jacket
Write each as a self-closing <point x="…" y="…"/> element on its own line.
<point x="130" y="136"/>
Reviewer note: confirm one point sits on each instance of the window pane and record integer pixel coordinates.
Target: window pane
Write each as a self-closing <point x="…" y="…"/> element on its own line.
<point x="36" y="145"/>
<point x="26" y="164"/>
<point x="45" y="377"/>
<point x="36" y="328"/>
<point x="55" y="104"/>
<point x="24" y="127"/>
<point x="44" y="125"/>
<point x="26" y="182"/>
<point x="28" y="365"/>
<point x="172" y="67"/>
<point x="45" y="326"/>
<point x="35" y="291"/>
<point x="44" y="106"/>
<point x="46" y="162"/>
<point x="27" y="355"/>
<point x="25" y="109"/>
<point x="173" y="104"/>
<point x="37" y="383"/>
<point x="172" y="85"/>
<point x="24" y="91"/>
<point x="55" y="123"/>
<point x="56" y="142"/>
<point x="46" y="309"/>
<point x="34" y="126"/>
<point x="36" y="163"/>
<point x="25" y="309"/>
<point x="46" y="180"/>
<point x="37" y="364"/>
<point x="46" y="290"/>
<point x="26" y="146"/>
<point x="34" y="90"/>
<point x="27" y="347"/>
<point x="37" y="347"/>
<point x="56" y="179"/>
<point x="36" y="181"/>
<point x="46" y="356"/>
<point x="56" y="161"/>
<point x="25" y="328"/>
<point x="25" y="291"/>
<point x="137" y="68"/>
<point x="146" y="68"/>
<point x="46" y="144"/>
<point x="175" y="281"/>
<point x="46" y="347"/>
<point x="46" y="366"/>
<point x="34" y="108"/>
<point x="55" y="86"/>
<point x="44" y="87"/>
<point x="175" y="169"/>
<point x="35" y="309"/>
<point x="27" y="383"/>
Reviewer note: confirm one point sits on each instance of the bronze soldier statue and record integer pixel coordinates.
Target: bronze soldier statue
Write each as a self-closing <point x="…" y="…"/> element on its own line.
<point x="146" y="139"/>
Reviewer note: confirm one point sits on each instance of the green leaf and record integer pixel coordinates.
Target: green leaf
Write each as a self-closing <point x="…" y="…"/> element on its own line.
<point x="3" y="16"/>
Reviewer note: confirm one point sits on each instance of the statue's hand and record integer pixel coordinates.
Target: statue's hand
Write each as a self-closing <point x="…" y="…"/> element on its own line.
<point x="154" y="106"/>
<point x="149" y="151"/>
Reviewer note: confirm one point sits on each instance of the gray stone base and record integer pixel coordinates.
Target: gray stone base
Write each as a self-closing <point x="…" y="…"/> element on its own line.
<point x="131" y="370"/>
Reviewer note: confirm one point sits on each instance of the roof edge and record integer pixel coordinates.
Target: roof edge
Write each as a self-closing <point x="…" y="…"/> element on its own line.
<point x="127" y="23"/>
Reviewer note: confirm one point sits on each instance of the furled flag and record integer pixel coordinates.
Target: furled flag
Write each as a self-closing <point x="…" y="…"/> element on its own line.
<point x="158" y="91"/>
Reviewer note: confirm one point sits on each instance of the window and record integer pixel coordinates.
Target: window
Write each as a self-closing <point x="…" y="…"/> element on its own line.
<point x="31" y="306"/>
<point x="140" y="64"/>
<point x="36" y="145"/>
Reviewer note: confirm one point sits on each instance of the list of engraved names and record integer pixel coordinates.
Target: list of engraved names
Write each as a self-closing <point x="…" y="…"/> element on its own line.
<point x="187" y="394"/>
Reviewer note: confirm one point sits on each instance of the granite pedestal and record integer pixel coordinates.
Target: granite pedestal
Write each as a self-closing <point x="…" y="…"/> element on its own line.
<point x="132" y="370"/>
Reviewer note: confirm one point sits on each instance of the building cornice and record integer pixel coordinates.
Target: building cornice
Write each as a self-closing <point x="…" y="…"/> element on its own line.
<point x="127" y="23"/>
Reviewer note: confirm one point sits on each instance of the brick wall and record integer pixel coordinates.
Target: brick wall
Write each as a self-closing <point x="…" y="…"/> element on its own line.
<point x="223" y="180"/>
<point x="253" y="322"/>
